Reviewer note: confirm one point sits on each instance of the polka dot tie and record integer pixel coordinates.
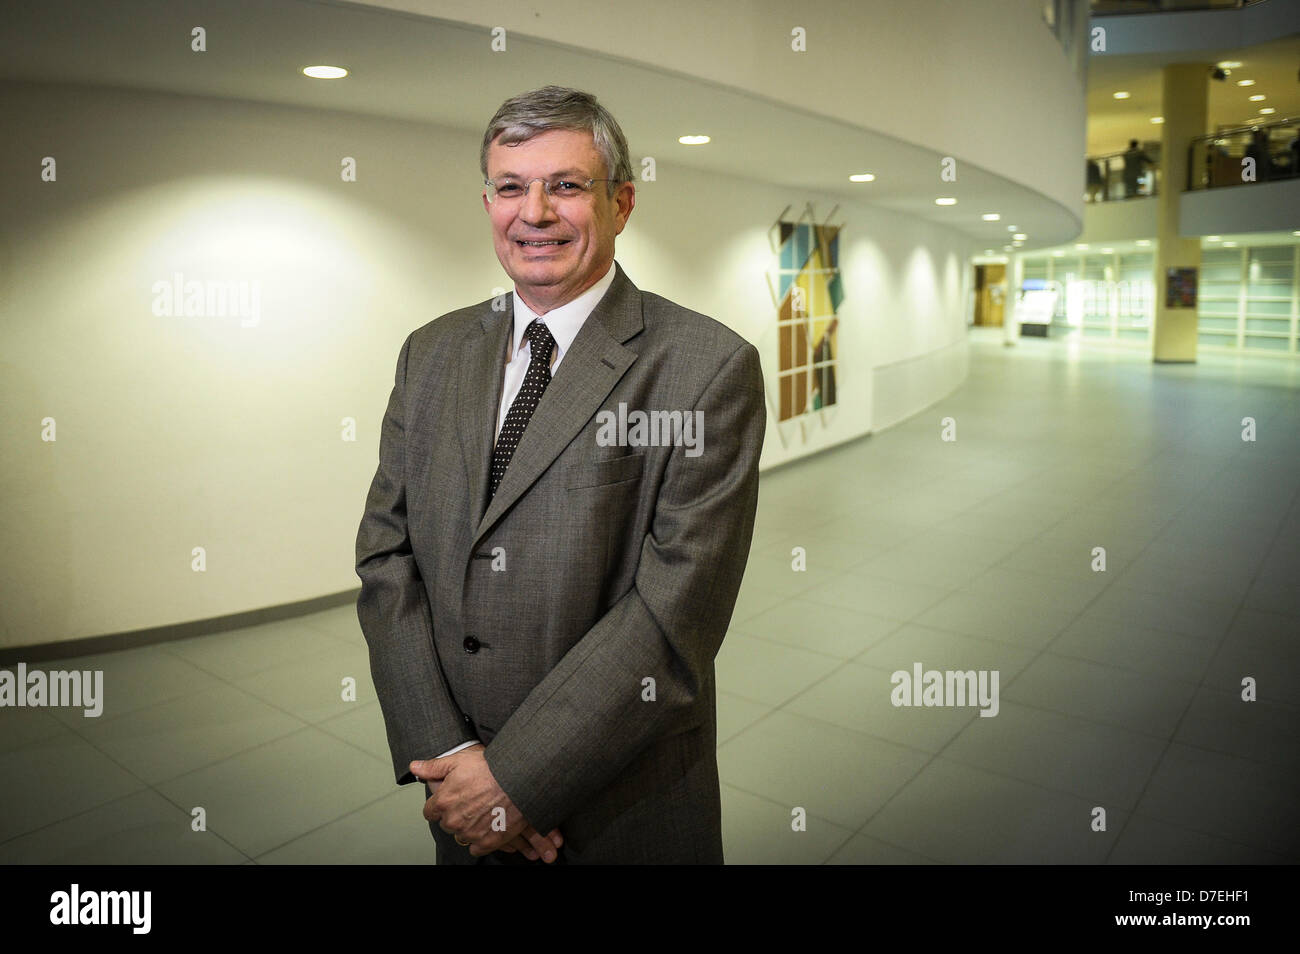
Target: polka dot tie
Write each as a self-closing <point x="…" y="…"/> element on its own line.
<point x="540" y="345"/>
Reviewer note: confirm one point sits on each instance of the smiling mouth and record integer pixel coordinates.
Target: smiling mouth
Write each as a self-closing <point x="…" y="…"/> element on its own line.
<point x="542" y="244"/>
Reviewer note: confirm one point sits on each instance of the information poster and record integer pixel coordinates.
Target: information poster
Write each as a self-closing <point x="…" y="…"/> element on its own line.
<point x="1180" y="288"/>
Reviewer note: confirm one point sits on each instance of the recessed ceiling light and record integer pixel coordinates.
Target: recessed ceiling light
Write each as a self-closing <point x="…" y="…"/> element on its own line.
<point x="1214" y="238"/>
<point x="945" y="200"/>
<point x="1258" y="98"/>
<point x="1081" y="245"/>
<point x="862" y="177"/>
<point x="990" y="217"/>
<point x="1267" y="111"/>
<point x="1020" y="235"/>
<point x="1157" y="119"/>
<point x="1144" y="242"/>
<point x="1245" y="82"/>
<point x="1228" y="64"/>
<point x="1122" y="94"/>
<point x="692" y="140"/>
<point x="1229" y="244"/>
<point x="325" y="72"/>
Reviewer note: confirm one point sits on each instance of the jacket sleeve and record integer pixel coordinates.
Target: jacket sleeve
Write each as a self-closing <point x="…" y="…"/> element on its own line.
<point x="583" y="723"/>
<point x="419" y="715"/>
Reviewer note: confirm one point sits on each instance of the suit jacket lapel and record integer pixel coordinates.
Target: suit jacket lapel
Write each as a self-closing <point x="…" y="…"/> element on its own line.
<point x="478" y="398"/>
<point x="585" y="377"/>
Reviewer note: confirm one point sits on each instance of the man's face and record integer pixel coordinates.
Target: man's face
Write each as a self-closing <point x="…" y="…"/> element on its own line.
<point x="548" y="276"/>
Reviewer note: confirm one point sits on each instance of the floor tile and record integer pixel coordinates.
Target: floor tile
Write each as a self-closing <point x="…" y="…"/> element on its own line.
<point x="270" y="795"/>
<point x="758" y="831"/>
<point x="139" y="829"/>
<point x="1139" y="702"/>
<point x="766" y="672"/>
<point x="1227" y="797"/>
<point x="1106" y="765"/>
<point x="956" y="814"/>
<point x="832" y="773"/>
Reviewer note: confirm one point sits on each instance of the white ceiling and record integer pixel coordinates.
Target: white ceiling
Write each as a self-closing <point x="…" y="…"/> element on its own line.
<point x="1274" y="66"/>
<point x="425" y="70"/>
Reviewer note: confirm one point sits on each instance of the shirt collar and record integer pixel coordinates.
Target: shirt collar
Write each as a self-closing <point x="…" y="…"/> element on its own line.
<point x="564" y="322"/>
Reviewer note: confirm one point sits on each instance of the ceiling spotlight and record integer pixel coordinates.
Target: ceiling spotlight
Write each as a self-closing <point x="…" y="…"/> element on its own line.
<point x="325" y="72"/>
<point x="1122" y="94"/>
<point x="1245" y="82"/>
<point x="990" y="217"/>
<point x="862" y="177"/>
<point x="1157" y="119"/>
<point x="1229" y="244"/>
<point x="1267" y="111"/>
<point x="692" y="140"/>
<point x="1020" y="236"/>
<point x="945" y="200"/>
<point x="1258" y="98"/>
<point x="1228" y="64"/>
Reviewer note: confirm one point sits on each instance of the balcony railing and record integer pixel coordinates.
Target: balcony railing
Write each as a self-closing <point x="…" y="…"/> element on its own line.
<point x="1131" y="174"/>
<point x="1216" y="160"/>
<point x="1108" y="8"/>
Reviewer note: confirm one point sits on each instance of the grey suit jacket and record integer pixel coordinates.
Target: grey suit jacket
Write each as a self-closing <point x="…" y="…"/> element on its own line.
<point x="570" y="624"/>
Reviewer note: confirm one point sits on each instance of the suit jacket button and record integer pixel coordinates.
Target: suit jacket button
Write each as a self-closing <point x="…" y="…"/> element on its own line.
<point x="471" y="644"/>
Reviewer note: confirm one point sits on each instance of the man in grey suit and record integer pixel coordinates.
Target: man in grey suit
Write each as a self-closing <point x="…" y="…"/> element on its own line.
<point x="556" y="533"/>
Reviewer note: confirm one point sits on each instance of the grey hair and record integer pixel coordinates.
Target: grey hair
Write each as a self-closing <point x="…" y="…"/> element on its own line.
<point x="522" y="117"/>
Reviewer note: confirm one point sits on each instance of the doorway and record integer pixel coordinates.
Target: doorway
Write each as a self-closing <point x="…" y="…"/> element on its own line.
<point x="990" y="294"/>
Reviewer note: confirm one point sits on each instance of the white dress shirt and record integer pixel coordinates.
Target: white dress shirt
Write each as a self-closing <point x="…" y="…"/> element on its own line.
<point x="564" y="324"/>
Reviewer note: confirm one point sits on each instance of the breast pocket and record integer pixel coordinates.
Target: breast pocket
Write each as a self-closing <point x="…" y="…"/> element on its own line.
<point x="616" y="470"/>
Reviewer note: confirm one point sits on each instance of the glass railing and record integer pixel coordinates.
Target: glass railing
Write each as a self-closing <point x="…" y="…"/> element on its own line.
<point x="1106" y="8"/>
<point x="1217" y="160"/>
<point x="1131" y="174"/>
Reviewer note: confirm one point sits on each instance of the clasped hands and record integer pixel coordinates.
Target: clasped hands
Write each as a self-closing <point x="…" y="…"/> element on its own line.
<point x="464" y="795"/>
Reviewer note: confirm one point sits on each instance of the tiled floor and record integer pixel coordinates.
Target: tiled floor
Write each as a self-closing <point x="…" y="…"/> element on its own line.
<point x="1119" y="689"/>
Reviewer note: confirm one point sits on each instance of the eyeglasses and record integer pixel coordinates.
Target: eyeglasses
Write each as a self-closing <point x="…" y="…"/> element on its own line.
<point x="510" y="190"/>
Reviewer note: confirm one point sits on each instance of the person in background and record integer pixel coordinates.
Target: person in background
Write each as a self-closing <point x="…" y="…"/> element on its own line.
<point x="1095" y="181"/>
<point x="1259" y="151"/>
<point x="1135" y="164"/>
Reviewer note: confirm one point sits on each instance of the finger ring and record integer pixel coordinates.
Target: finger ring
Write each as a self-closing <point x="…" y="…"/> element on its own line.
<point x="464" y="844"/>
